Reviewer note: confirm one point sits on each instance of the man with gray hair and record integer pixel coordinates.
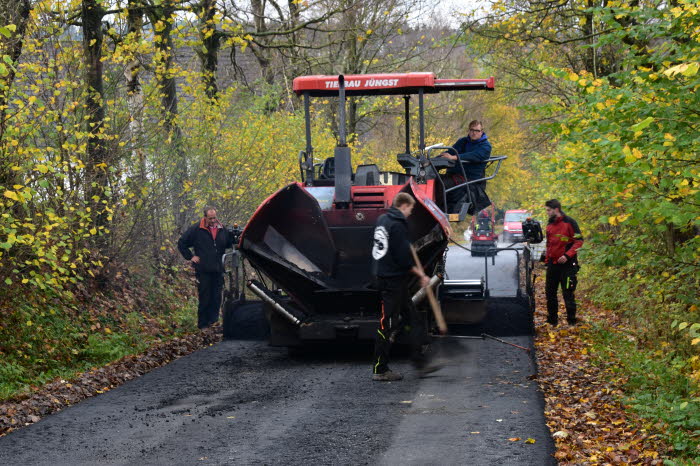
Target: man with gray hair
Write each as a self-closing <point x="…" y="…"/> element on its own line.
<point x="209" y="239"/>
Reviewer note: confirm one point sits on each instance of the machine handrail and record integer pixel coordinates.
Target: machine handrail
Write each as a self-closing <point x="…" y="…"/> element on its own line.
<point x="498" y="159"/>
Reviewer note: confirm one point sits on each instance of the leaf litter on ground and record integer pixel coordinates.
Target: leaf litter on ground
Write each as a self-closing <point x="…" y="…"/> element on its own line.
<point x="583" y="406"/>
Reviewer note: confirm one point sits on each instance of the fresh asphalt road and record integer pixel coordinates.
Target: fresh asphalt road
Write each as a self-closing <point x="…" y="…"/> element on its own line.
<point x="243" y="402"/>
<point x="500" y="270"/>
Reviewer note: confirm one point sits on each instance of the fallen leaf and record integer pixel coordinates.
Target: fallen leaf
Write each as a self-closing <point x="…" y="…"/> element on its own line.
<point x="530" y="440"/>
<point x="514" y="439"/>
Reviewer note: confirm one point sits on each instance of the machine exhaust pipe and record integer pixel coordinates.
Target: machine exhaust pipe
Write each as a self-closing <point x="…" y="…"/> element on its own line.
<point x="259" y="291"/>
<point x="420" y="294"/>
<point x="343" y="164"/>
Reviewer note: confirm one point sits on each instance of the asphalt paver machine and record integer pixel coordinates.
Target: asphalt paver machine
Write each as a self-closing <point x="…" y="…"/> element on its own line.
<point x="310" y="242"/>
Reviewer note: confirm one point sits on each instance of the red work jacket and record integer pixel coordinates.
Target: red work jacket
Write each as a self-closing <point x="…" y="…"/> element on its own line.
<point x="563" y="238"/>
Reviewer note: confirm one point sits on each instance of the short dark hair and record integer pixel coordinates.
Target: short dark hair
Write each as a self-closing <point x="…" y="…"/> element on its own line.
<point x="403" y="199"/>
<point x="553" y="204"/>
<point x="476" y="122"/>
<point x="208" y="208"/>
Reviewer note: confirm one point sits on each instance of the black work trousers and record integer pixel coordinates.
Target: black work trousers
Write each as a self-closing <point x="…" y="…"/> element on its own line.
<point x="398" y="315"/>
<point x="209" y="286"/>
<point x="564" y="276"/>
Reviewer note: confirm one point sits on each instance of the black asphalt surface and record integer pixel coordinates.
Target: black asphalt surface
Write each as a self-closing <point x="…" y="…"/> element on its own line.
<point x="243" y="402"/>
<point x="499" y="270"/>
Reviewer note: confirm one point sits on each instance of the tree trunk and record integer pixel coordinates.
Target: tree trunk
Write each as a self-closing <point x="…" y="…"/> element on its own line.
<point x="262" y="54"/>
<point x="97" y="163"/>
<point x="162" y="19"/>
<point x="208" y="55"/>
<point x="134" y="92"/>
<point x="11" y="12"/>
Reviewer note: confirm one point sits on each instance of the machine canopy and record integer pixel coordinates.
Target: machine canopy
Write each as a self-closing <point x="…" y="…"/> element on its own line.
<point x="387" y="84"/>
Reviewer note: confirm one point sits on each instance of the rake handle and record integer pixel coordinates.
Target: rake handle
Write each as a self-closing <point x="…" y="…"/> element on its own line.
<point x="435" y="306"/>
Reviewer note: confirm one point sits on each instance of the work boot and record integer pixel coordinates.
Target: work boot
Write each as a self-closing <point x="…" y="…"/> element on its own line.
<point x="387" y="376"/>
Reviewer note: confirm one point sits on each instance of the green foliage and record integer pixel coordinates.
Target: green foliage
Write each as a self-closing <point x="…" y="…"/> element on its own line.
<point x="41" y="339"/>
<point x="102" y="349"/>
<point x="618" y="125"/>
<point x="655" y="388"/>
<point x="628" y="163"/>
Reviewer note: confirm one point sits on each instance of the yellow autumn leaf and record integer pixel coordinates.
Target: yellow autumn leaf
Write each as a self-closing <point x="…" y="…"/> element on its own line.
<point x="695" y="341"/>
<point x="530" y="441"/>
<point x="11" y="195"/>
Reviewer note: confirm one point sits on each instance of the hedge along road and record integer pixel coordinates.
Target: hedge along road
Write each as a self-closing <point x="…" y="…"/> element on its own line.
<point x="243" y="402"/>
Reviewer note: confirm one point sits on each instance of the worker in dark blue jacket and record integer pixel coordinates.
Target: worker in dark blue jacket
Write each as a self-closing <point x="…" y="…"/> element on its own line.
<point x="393" y="267"/>
<point x="475" y="149"/>
<point x="209" y="239"/>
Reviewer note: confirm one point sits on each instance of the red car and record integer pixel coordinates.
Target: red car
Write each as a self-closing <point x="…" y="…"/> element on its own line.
<point x="513" y="225"/>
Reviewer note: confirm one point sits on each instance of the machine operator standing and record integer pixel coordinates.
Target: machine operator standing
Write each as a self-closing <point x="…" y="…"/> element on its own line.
<point x="393" y="266"/>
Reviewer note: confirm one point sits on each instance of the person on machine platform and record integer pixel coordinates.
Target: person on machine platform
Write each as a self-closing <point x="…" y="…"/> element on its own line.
<point x="475" y="149"/>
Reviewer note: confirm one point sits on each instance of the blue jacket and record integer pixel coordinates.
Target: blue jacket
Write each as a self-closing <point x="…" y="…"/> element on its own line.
<point x="472" y="151"/>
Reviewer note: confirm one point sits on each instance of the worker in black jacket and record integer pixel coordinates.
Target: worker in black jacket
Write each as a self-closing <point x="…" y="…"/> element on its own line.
<point x="209" y="239"/>
<point x="393" y="266"/>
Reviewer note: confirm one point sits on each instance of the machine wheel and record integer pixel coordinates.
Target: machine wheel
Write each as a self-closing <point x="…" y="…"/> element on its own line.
<point x="230" y="305"/>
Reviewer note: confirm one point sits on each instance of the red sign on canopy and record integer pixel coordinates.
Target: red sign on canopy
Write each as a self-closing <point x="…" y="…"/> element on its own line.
<point x="390" y="83"/>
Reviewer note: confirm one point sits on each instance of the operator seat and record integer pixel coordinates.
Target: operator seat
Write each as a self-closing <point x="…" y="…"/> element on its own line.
<point x="367" y="175"/>
<point x="328" y="168"/>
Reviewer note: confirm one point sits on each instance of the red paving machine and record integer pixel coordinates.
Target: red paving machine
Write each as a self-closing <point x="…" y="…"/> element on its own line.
<point x="310" y="242"/>
<point x="483" y="228"/>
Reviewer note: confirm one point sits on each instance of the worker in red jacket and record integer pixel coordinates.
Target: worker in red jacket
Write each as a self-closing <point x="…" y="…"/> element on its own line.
<point x="563" y="241"/>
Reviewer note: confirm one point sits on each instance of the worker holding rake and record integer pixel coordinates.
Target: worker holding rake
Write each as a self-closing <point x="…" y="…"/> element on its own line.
<point x="393" y="266"/>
